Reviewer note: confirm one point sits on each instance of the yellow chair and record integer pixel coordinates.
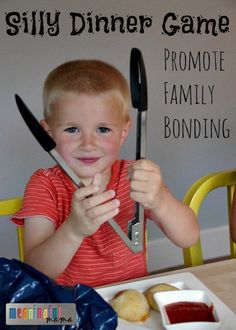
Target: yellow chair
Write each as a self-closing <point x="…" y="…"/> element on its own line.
<point x="9" y="207"/>
<point x="194" y="198"/>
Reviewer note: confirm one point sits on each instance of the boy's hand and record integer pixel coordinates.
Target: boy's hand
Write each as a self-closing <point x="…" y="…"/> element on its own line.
<point x="146" y="183"/>
<point x="91" y="209"/>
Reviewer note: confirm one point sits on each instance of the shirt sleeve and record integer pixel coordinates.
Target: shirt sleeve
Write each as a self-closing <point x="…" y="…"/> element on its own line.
<point x="39" y="200"/>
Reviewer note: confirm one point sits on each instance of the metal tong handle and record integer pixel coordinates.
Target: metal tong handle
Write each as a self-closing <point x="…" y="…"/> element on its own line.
<point x="138" y="87"/>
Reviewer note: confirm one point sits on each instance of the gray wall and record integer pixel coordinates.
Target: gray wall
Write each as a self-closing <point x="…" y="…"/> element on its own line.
<point x="25" y="61"/>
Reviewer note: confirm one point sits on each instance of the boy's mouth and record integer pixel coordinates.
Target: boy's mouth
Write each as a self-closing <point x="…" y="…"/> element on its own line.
<point x="89" y="160"/>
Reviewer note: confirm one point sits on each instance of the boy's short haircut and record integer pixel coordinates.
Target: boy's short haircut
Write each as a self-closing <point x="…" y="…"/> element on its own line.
<point x="87" y="77"/>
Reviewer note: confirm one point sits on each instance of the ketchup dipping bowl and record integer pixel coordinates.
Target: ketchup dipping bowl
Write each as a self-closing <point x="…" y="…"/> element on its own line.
<point x="187" y="310"/>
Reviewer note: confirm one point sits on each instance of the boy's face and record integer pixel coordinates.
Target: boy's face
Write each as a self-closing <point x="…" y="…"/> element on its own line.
<point x="88" y="131"/>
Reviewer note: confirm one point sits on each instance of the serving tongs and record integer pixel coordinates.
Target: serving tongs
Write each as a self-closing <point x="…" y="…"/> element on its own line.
<point x="138" y="88"/>
<point x="135" y="237"/>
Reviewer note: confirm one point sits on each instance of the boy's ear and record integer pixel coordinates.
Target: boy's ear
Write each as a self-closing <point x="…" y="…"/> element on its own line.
<point x="45" y="126"/>
<point x="125" y="131"/>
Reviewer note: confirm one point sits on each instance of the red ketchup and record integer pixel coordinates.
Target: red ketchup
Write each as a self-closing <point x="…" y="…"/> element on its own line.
<point x="186" y="311"/>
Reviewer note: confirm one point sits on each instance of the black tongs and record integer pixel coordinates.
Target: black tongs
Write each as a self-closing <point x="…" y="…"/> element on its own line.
<point x="135" y="238"/>
<point x="138" y="88"/>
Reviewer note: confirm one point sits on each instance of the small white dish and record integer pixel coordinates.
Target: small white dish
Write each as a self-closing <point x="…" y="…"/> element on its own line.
<point x="168" y="297"/>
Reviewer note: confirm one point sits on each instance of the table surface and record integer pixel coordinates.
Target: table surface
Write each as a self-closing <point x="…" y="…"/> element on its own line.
<point x="219" y="277"/>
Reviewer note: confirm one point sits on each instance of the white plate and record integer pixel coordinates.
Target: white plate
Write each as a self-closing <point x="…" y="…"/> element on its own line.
<point x="165" y="298"/>
<point x="182" y="281"/>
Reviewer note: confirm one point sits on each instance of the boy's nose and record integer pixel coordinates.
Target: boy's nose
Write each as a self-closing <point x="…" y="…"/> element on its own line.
<point x="88" y="141"/>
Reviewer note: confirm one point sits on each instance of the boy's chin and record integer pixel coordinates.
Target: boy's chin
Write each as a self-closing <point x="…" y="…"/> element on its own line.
<point x="88" y="172"/>
<point x="87" y="175"/>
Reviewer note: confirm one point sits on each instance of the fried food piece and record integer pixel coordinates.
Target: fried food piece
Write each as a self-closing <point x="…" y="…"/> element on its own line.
<point x="131" y="305"/>
<point x="149" y="293"/>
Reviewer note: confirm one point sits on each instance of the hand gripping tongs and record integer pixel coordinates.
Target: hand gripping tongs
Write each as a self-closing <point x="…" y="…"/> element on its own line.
<point x="135" y="238"/>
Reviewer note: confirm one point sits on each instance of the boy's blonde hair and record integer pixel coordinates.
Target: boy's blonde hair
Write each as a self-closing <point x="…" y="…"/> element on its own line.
<point x="87" y="77"/>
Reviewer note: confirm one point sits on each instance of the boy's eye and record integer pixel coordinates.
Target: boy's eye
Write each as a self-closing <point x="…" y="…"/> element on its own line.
<point x="72" y="130"/>
<point x="103" y="130"/>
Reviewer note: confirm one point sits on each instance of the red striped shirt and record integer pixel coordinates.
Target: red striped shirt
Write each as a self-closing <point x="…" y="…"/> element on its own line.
<point x="102" y="258"/>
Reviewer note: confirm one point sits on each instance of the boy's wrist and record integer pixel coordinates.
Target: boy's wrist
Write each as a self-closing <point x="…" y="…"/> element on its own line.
<point x="71" y="233"/>
<point x="161" y="206"/>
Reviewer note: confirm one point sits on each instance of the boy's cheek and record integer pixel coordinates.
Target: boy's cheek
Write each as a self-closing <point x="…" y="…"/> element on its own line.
<point x="112" y="146"/>
<point x="64" y="149"/>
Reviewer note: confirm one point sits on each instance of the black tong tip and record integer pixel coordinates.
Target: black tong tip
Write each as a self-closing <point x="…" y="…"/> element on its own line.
<point x="36" y="129"/>
<point x="138" y="81"/>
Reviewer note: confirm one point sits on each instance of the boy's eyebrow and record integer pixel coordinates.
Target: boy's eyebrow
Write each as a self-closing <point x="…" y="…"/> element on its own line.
<point x="98" y="124"/>
<point x="107" y="124"/>
<point x="66" y="125"/>
<point x="69" y="123"/>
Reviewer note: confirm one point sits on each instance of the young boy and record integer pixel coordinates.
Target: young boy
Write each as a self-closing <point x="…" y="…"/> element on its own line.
<point x="67" y="237"/>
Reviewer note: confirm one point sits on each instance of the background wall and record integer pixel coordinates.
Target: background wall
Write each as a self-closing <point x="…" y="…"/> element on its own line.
<point x="30" y="49"/>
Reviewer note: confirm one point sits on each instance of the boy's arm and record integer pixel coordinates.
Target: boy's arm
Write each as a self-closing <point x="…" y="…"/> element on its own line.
<point x="177" y="220"/>
<point x="48" y="250"/>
